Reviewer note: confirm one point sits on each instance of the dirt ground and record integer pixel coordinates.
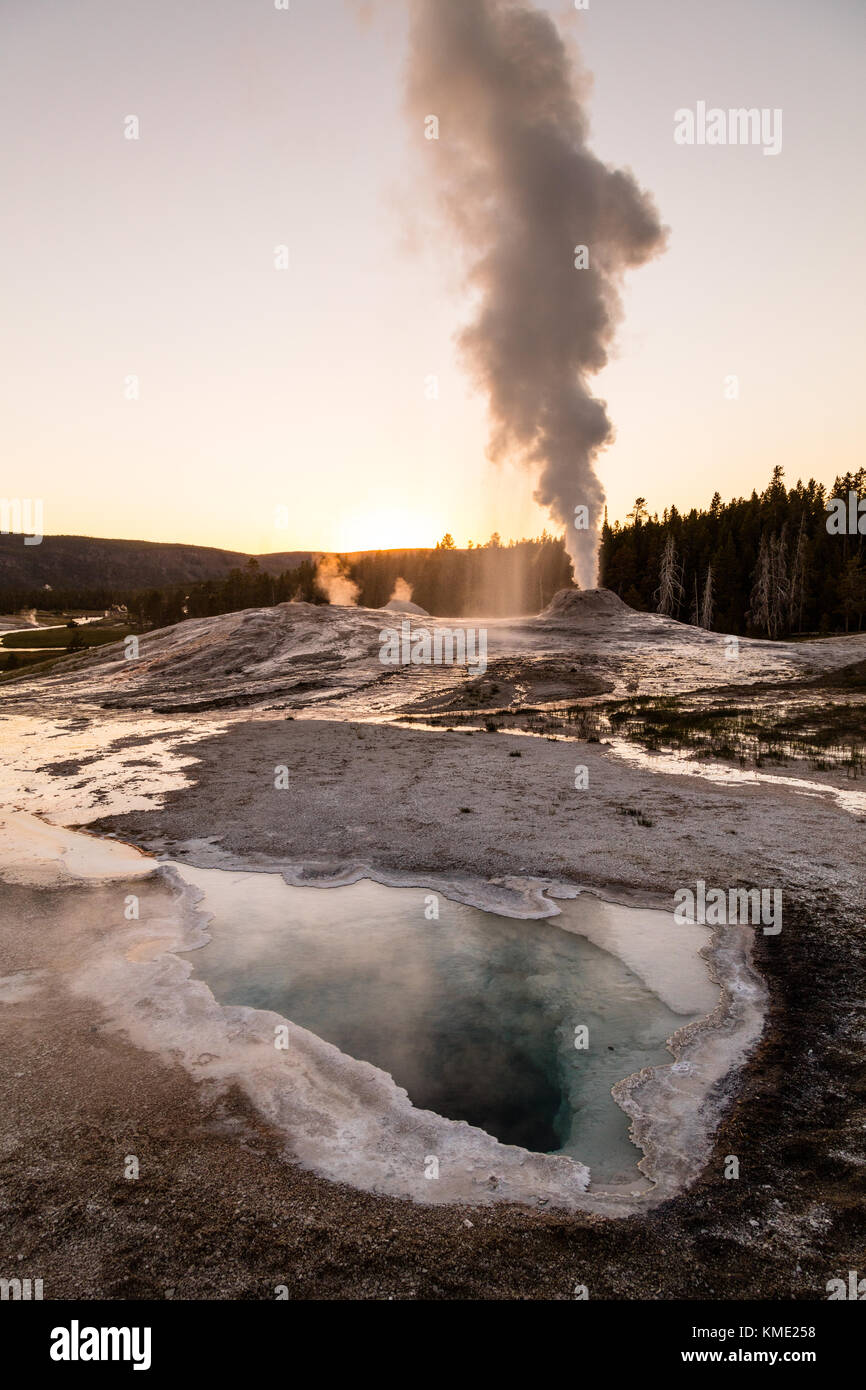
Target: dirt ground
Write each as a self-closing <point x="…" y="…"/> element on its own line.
<point x="219" y="1208"/>
<point x="219" y="1211"/>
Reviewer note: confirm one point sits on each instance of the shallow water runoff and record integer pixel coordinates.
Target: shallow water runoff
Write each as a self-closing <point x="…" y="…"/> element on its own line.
<point x="519" y="1027"/>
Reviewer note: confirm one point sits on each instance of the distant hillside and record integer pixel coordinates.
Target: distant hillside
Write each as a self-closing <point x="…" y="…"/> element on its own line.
<point x="84" y="562"/>
<point x="162" y="584"/>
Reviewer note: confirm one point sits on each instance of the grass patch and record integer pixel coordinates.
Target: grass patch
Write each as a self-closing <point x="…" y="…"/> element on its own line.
<point x="827" y="735"/>
<point x="15" y="663"/>
<point x="62" y="637"/>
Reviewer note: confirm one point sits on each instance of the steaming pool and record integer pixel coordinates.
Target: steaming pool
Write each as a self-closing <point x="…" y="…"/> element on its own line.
<point x="475" y="1014"/>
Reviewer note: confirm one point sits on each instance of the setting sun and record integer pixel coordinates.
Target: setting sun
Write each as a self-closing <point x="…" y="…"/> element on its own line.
<point x="388" y="528"/>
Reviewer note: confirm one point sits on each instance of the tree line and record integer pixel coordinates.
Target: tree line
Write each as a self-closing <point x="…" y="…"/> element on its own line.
<point x="762" y="565"/>
<point x="772" y="564"/>
<point x="493" y="579"/>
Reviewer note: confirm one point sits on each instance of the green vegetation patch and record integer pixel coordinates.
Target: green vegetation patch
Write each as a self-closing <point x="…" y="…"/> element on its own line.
<point x="81" y="637"/>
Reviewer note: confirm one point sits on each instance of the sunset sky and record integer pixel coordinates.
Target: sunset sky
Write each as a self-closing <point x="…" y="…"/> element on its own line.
<point x="305" y="388"/>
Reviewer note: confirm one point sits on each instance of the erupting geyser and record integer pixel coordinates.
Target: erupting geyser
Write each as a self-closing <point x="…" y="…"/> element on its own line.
<point x="548" y="231"/>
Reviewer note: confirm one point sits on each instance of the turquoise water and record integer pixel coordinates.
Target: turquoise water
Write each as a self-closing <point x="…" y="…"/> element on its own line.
<point x="474" y="1014"/>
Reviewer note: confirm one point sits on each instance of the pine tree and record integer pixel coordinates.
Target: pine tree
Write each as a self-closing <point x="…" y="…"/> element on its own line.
<point x="797" y="590"/>
<point x="771" y="591"/>
<point x="669" y="594"/>
<point x="760" y="601"/>
<point x="776" y="568"/>
<point x="695" y="613"/>
<point x="781" y="582"/>
<point x="852" y="590"/>
<point x="707" y="601"/>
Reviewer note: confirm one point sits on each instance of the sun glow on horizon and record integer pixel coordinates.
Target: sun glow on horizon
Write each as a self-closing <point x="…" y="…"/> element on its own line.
<point x="388" y="528"/>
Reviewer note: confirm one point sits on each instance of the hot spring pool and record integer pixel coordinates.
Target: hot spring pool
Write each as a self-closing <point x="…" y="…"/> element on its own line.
<point x="474" y="1014"/>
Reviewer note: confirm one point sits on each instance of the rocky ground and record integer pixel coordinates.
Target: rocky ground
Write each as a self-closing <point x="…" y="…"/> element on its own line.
<point x="218" y="1210"/>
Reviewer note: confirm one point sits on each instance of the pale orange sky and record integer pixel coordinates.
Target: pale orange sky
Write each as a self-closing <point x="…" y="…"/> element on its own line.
<point x="305" y="389"/>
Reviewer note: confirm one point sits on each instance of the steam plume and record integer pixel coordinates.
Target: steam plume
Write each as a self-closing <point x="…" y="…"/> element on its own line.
<point x="403" y="591"/>
<point x="334" y="582"/>
<point x="521" y="190"/>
